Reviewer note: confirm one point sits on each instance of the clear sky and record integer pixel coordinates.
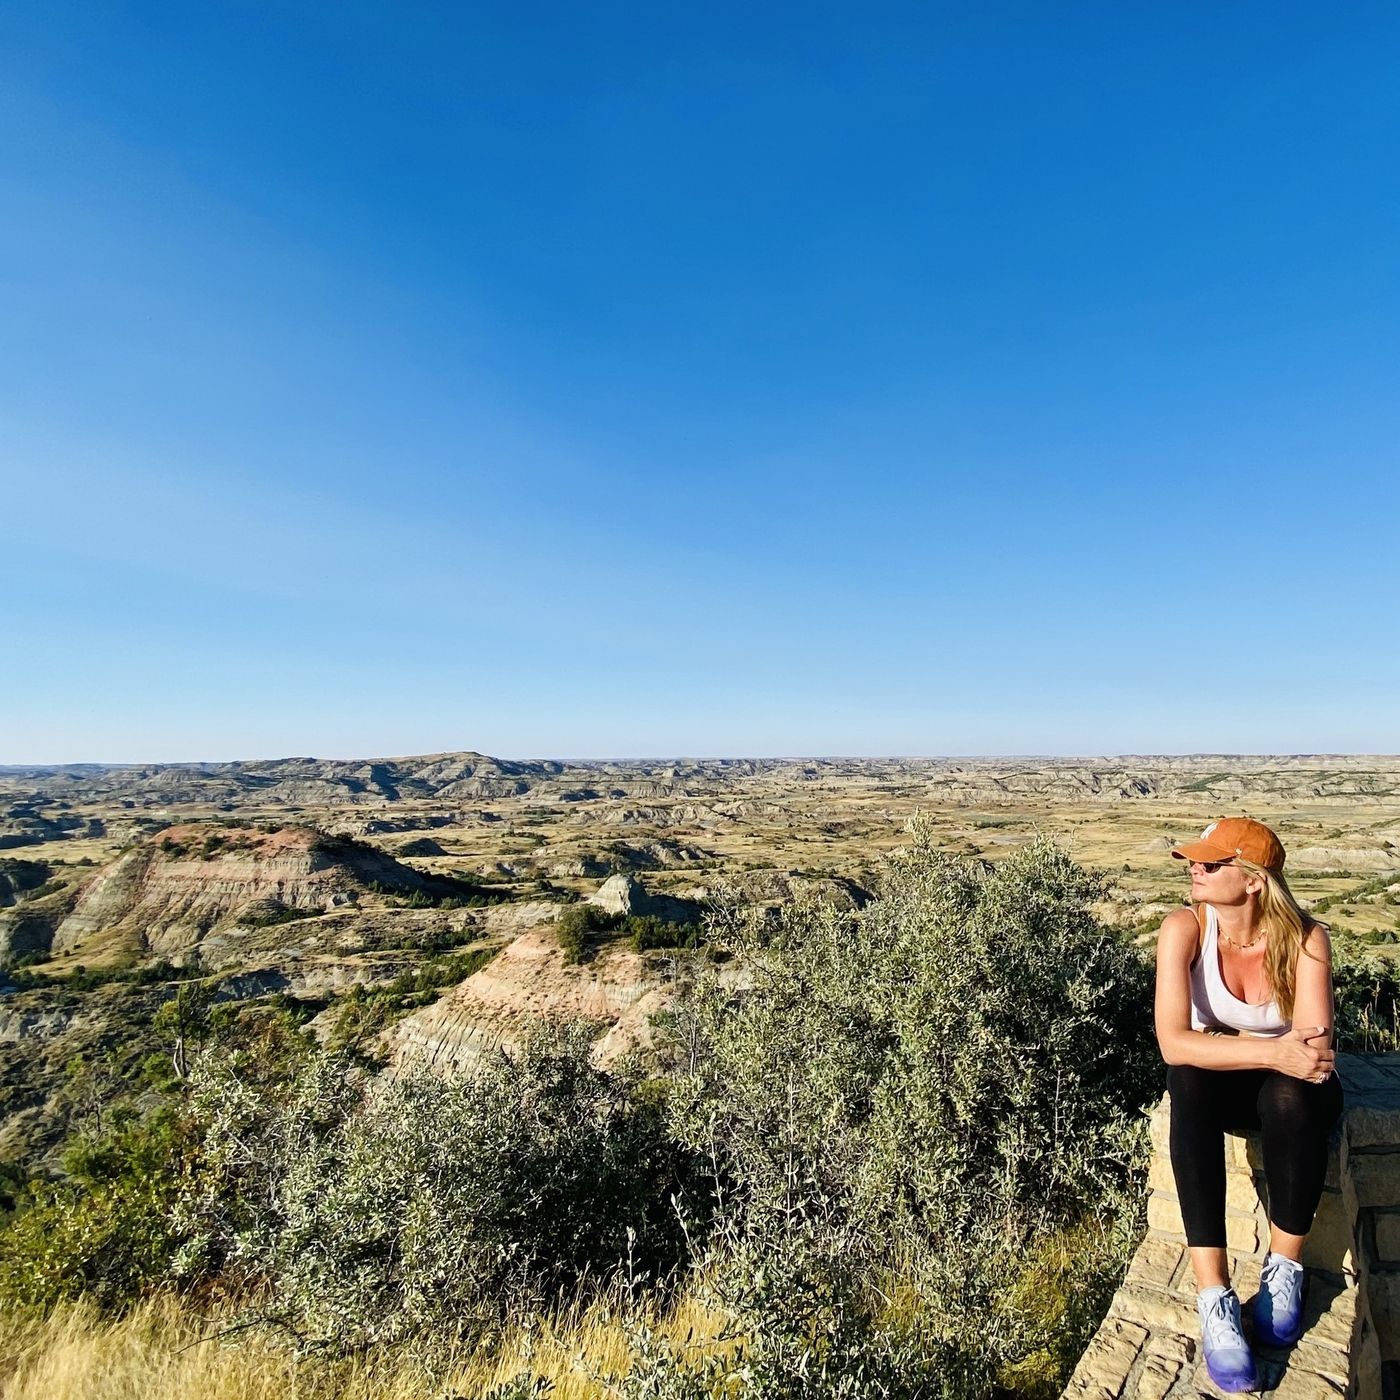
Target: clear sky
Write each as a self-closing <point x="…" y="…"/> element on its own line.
<point x="592" y="380"/>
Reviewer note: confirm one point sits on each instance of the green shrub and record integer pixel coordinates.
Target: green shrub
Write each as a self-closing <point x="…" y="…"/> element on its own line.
<point x="1367" y="991"/>
<point x="646" y="931"/>
<point x="381" y="1209"/>
<point x="574" y="927"/>
<point x="108" y="1232"/>
<point x="911" y="1103"/>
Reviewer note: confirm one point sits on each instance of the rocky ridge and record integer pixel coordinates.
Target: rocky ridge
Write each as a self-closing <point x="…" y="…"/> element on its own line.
<point x="192" y="887"/>
<point x="467" y="777"/>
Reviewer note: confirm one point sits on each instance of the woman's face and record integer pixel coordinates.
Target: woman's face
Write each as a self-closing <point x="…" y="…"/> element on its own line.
<point x="1220" y="882"/>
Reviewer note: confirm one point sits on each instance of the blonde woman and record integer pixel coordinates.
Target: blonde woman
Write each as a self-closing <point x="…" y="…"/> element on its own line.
<point x="1244" y="1018"/>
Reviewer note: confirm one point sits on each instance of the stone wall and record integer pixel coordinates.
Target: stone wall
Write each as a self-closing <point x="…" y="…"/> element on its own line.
<point x="1149" y="1344"/>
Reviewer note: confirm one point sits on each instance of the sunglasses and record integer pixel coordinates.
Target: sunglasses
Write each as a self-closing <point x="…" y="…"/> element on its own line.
<point x="1211" y="866"/>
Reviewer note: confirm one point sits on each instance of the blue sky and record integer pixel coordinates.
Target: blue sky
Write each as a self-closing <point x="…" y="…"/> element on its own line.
<point x="589" y="381"/>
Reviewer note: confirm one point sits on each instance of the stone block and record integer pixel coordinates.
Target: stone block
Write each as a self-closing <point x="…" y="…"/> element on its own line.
<point x="1242" y="1194"/>
<point x="1164" y="1216"/>
<point x="1337" y="1156"/>
<point x="1377" y="1178"/>
<point x="1242" y="1234"/>
<point x="1170" y="1346"/>
<point x="1330" y="1243"/>
<point x="1161" y="1128"/>
<point x="1160" y="1176"/>
<point x="1103" y="1369"/>
<point x="1365" y="1075"/>
<point x="1164" y="1358"/>
<point x="1367" y="1375"/>
<point x="1387" y="1234"/>
<point x="1244" y="1274"/>
<point x="1155" y="1380"/>
<point x="1318" y="1360"/>
<point x="1374" y="1121"/>
<point x="1163" y="1313"/>
<point x="1155" y="1263"/>
<point x="1298" y="1384"/>
<point x="1329" y="1317"/>
<point x="1243" y="1152"/>
<point x="1384" y="1291"/>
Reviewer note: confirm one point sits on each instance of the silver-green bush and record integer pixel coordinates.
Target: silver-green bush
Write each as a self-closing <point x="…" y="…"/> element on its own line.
<point x="903" y="1108"/>
<point x="372" y="1210"/>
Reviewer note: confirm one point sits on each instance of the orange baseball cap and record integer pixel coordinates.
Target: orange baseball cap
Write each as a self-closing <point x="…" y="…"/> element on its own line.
<point x="1235" y="836"/>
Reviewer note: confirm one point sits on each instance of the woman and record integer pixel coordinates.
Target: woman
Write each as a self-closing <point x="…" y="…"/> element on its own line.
<point x="1244" y="1020"/>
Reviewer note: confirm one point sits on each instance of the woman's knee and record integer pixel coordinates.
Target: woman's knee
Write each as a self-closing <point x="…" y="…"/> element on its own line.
<point x="1288" y="1102"/>
<point x="1189" y="1084"/>
<point x="1195" y="1097"/>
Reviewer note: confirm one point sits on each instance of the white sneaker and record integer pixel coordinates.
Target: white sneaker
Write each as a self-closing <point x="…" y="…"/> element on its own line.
<point x="1228" y="1357"/>
<point x="1278" y="1308"/>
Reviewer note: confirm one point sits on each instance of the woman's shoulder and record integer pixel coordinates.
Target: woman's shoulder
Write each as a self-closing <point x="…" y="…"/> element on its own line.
<point x="1317" y="937"/>
<point x="1180" y="931"/>
<point x="1181" y="920"/>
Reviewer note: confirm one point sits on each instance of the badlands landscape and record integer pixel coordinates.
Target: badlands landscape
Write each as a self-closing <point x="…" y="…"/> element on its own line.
<point x="427" y="909"/>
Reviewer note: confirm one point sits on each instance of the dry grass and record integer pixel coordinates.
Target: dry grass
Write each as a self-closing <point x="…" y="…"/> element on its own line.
<point x="161" y="1350"/>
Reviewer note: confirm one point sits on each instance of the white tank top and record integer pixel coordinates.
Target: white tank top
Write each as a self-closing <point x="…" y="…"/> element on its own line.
<point x="1213" y="1005"/>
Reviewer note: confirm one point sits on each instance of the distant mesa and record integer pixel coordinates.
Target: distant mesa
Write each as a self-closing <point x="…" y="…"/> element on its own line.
<point x="1345" y="858"/>
<point x="288" y="782"/>
<point x="655" y="855"/>
<point x="164" y="897"/>
<point x="704" y="795"/>
<point x="25" y="824"/>
<point x="623" y="856"/>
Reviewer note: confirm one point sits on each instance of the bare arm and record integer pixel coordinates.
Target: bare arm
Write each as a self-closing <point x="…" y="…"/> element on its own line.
<point x="1312" y="983"/>
<point x="1314" y="1008"/>
<point x="1179" y="1044"/>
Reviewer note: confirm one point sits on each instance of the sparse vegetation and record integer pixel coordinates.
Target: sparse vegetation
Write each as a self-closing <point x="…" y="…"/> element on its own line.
<point x="361" y="1013"/>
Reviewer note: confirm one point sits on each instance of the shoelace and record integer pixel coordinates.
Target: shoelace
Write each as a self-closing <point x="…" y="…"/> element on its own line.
<point x="1283" y="1284"/>
<point x="1222" y="1323"/>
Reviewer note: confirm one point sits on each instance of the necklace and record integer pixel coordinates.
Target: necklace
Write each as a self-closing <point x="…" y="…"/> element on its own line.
<point x="1241" y="946"/>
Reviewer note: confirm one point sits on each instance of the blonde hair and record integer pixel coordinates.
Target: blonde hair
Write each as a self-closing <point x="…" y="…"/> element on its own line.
<point x="1286" y="925"/>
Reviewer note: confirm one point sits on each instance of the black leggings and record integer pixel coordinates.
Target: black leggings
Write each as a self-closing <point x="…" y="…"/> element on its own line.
<point x="1295" y="1120"/>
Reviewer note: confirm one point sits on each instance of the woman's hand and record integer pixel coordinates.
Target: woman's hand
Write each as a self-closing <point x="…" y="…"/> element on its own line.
<point x="1296" y="1055"/>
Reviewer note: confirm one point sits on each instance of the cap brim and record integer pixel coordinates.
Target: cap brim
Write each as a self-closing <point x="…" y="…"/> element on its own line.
<point x="1201" y="850"/>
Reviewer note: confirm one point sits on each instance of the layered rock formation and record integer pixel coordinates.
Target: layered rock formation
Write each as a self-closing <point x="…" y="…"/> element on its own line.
<point x="619" y="992"/>
<point x="165" y="896"/>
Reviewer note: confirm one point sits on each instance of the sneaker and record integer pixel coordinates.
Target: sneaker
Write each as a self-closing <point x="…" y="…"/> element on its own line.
<point x="1228" y="1358"/>
<point x="1278" y="1308"/>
